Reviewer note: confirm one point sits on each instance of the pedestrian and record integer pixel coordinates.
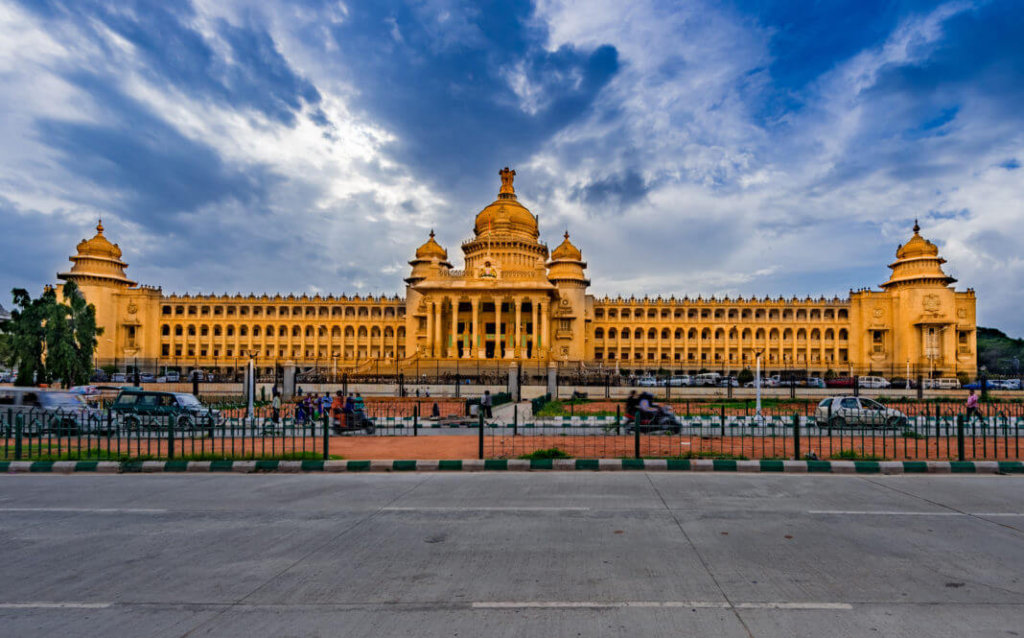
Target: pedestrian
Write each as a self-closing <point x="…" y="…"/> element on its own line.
<point x="426" y="393"/>
<point x="435" y="411"/>
<point x="485" y="403"/>
<point x="275" y="408"/>
<point x="417" y="393"/>
<point x="972" y="407"/>
<point x="338" y="412"/>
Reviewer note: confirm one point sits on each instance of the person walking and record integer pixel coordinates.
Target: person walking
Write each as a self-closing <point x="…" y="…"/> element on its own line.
<point x="275" y="409"/>
<point x="338" y="412"/>
<point x="486" y="402"/>
<point x="972" y="407"/>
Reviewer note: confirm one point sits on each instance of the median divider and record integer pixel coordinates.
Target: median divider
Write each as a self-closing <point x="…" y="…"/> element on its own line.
<point x="517" y="465"/>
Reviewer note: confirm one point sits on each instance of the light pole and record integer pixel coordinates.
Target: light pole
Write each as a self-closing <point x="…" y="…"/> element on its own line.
<point x="334" y="367"/>
<point x="759" y="418"/>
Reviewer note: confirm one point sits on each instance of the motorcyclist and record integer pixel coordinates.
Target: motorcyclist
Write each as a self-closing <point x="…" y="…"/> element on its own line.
<point x="631" y="402"/>
<point x="338" y="411"/>
<point x="646" y="409"/>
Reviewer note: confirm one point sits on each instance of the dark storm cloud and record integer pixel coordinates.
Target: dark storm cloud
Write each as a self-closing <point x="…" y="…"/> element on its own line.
<point x="612" y="194"/>
<point x="440" y="79"/>
<point x="152" y="171"/>
<point x="255" y="75"/>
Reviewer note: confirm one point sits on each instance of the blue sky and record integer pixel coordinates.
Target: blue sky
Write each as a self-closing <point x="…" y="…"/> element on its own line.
<point x="732" y="148"/>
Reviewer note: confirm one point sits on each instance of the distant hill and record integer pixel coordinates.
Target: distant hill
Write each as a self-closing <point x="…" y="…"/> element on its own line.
<point x="996" y="352"/>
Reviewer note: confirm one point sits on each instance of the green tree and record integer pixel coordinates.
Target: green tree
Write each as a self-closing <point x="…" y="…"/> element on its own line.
<point x="745" y="376"/>
<point x="52" y="340"/>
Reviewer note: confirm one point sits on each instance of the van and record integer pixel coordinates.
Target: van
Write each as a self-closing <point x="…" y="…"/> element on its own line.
<point x="707" y="379"/>
<point x="945" y="383"/>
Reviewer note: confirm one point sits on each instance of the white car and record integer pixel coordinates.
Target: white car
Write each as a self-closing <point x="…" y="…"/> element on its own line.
<point x="678" y="382"/>
<point x="119" y="377"/>
<point x="840" y="412"/>
<point x="647" y="382"/>
<point x="872" y="382"/>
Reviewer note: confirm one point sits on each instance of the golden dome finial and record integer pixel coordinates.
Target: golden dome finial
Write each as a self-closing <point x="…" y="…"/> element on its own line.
<point x="431" y="233"/>
<point x="99" y="226"/>
<point x="567" y="233"/>
<point x="917" y="228"/>
<point x="506" y="181"/>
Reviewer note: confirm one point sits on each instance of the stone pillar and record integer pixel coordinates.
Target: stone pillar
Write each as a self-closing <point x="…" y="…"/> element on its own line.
<point x="438" y="344"/>
<point x="498" y="344"/>
<point x="477" y="350"/>
<point x="453" y="347"/>
<point x="545" y="338"/>
<point x="517" y="344"/>
<point x="553" y="380"/>
<point x="430" y="328"/>
<point x="534" y="327"/>
<point x="513" y="381"/>
<point x="288" y="381"/>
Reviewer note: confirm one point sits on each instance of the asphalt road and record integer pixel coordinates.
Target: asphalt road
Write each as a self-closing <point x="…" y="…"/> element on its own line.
<point x="511" y="554"/>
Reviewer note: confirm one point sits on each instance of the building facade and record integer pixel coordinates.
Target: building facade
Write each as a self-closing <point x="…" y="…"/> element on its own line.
<point x="514" y="300"/>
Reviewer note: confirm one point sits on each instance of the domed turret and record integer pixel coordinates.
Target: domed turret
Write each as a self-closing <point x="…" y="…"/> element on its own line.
<point x="567" y="263"/>
<point x="917" y="261"/>
<point x="431" y="259"/>
<point x="566" y="251"/>
<point x="97" y="260"/>
<point x="431" y="249"/>
<point x="505" y="215"/>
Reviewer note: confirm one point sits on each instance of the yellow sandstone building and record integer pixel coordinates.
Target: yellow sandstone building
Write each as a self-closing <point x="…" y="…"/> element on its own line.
<point x="514" y="300"/>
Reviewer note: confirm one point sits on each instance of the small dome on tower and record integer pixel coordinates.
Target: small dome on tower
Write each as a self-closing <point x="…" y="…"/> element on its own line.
<point x="97" y="260"/>
<point x="431" y="249"/>
<point x="98" y="246"/>
<point x="566" y="251"/>
<point x="918" y="246"/>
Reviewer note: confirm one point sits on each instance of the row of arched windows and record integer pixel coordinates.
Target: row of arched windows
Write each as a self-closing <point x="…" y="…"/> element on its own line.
<point x="203" y="330"/>
<point x="731" y="314"/>
<point x="355" y="312"/>
<point x="719" y="334"/>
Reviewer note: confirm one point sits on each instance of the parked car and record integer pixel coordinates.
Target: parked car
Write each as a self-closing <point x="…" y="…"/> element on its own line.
<point x="872" y="382"/>
<point x="99" y="376"/>
<point x="136" y="408"/>
<point x="173" y="376"/>
<point x="815" y="382"/>
<point x="844" y="411"/>
<point x="42" y="411"/>
<point x="707" y="379"/>
<point x="647" y="382"/>
<point x="147" y="377"/>
<point x="945" y="383"/>
<point x="119" y="377"/>
<point x="725" y="382"/>
<point x="678" y="382"/>
<point x="840" y="382"/>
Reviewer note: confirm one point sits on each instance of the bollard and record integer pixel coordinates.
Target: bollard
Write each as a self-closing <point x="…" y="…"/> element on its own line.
<point x="515" y="419"/>
<point x="796" y="436"/>
<point x="18" y="423"/>
<point x="607" y="386"/>
<point x="721" y="420"/>
<point x="480" y="443"/>
<point x="636" y="438"/>
<point x="960" y="437"/>
<point x="920" y="387"/>
<point x="618" y="417"/>
<point x="327" y="434"/>
<point x="856" y="385"/>
<point x="170" y="437"/>
<point x="416" y="419"/>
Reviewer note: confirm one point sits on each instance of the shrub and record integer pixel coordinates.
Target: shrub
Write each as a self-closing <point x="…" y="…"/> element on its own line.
<point x="549" y="453"/>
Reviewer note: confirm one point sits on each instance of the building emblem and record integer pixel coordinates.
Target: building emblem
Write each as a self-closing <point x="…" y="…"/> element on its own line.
<point x="132" y="308"/>
<point x="931" y="304"/>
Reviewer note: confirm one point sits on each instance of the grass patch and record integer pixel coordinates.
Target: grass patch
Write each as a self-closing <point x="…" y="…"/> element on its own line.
<point x="717" y="456"/>
<point x="549" y="453"/>
<point x="854" y="455"/>
<point x="911" y="434"/>
<point x="99" y="454"/>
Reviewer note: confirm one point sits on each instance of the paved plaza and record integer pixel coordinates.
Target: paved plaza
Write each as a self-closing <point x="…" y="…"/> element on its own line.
<point x="509" y="554"/>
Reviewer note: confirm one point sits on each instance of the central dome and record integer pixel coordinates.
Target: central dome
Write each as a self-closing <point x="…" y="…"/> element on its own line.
<point x="506" y="215"/>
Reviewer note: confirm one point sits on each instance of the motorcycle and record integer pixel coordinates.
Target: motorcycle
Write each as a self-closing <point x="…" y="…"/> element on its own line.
<point x="352" y="422"/>
<point x="660" y="418"/>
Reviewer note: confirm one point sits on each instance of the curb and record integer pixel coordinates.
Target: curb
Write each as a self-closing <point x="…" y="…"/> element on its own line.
<point x="520" y="465"/>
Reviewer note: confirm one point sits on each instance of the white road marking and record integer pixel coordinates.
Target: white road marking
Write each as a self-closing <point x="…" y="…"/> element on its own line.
<point x="54" y="605"/>
<point x="642" y="604"/>
<point x="485" y="509"/>
<point x="899" y="513"/>
<point x="85" y="510"/>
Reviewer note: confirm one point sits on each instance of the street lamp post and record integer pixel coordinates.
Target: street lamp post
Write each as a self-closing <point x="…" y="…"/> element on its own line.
<point x="759" y="418"/>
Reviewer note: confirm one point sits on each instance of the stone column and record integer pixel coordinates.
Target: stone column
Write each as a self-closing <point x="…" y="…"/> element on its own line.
<point x="534" y="326"/>
<point x="453" y="348"/>
<point x="430" y="328"/>
<point x="438" y="344"/>
<point x="498" y="344"/>
<point x="475" y="346"/>
<point x="545" y="336"/>
<point x="517" y="347"/>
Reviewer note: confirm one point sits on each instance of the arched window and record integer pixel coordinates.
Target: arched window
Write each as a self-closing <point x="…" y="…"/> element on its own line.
<point x="165" y="330"/>
<point x="191" y="331"/>
<point x="599" y="333"/>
